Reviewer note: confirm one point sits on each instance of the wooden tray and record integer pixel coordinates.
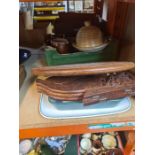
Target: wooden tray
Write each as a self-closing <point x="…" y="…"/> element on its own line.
<point x="83" y="69"/>
<point x="89" y="89"/>
<point x="109" y="53"/>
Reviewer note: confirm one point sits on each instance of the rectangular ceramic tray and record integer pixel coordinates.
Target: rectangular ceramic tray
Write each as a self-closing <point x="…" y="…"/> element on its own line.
<point x="54" y="109"/>
<point x="109" y="53"/>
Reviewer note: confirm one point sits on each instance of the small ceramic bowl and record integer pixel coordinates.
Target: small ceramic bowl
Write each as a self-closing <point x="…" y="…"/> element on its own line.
<point x="109" y="141"/>
<point x="82" y="151"/>
<point x="85" y="144"/>
<point x="87" y="135"/>
<point x="25" y="146"/>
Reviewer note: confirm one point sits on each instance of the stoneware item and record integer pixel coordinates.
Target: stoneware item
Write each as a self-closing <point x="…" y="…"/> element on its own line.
<point x="89" y="38"/>
<point x="54" y="109"/>
<point x="87" y="135"/>
<point x="85" y="144"/>
<point x="109" y="141"/>
<point x="25" y="146"/>
<point x="96" y="136"/>
<point x="82" y="151"/>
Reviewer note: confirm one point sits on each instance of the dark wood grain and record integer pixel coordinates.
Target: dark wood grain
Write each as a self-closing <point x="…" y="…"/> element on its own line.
<point x="112" y="8"/>
<point x="127" y="1"/>
<point x="120" y="20"/>
<point x="83" y="69"/>
<point x="108" y="93"/>
<point x="89" y="89"/>
<point x="117" y="17"/>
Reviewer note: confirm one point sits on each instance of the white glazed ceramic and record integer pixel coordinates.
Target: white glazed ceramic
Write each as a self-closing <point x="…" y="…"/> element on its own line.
<point x="109" y="141"/>
<point x="85" y="144"/>
<point x="53" y="109"/>
<point x="96" y="136"/>
<point x="87" y="135"/>
<point x="82" y="151"/>
<point x="25" y="146"/>
<point x="94" y="49"/>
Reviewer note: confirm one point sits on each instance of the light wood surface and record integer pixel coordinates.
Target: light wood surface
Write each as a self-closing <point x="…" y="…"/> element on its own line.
<point x="31" y="118"/>
<point x="32" y="124"/>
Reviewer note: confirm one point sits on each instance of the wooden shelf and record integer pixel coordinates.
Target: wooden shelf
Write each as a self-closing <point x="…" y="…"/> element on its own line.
<point x="53" y="17"/>
<point x="127" y="1"/>
<point x="48" y="8"/>
<point x="40" y="0"/>
<point x="45" y="9"/>
<point x="32" y="124"/>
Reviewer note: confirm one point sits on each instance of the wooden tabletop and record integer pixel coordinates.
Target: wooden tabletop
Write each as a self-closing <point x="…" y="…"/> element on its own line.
<point x="30" y="118"/>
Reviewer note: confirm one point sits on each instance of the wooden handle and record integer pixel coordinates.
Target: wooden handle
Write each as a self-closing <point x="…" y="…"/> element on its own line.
<point x="83" y="69"/>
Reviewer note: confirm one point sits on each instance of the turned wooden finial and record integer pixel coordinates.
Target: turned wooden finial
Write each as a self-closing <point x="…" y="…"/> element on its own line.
<point x="87" y="23"/>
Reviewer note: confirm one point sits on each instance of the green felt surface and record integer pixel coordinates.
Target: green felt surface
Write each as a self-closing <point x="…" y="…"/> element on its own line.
<point x="71" y="148"/>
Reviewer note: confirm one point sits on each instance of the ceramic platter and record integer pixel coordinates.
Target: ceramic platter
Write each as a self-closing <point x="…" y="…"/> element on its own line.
<point x="94" y="49"/>
<point x="54" y="109"/>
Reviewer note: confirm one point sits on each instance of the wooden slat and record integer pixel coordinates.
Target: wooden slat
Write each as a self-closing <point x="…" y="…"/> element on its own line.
<point x="65" y="130"/>
<point x="130" y="143"/>
<point x="45" y="17"/>
<point x="40" y="0"/>
<point x="83" y="69"/>
<point x="48" y="8"/>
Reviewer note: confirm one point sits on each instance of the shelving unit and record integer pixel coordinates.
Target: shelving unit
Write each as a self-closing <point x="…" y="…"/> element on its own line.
<point x="47" y="12"/>
<point x="45" y="17"/>
<point x="32" y="124"/>
<point x="48" y="8"/>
